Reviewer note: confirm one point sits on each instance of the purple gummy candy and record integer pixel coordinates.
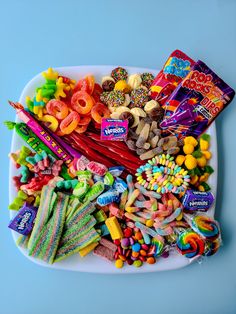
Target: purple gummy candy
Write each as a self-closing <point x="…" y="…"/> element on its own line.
<point x="197" y="201"/>
<point x="24" y="220"/>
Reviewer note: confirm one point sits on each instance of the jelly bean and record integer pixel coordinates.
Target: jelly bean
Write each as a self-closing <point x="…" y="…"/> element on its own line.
<point x="82" y="102"/>
<point x="100" y="111"/>
<point x="151" y="260"/>
<point x="70" y="123"/>
<point x="137" y="263"/>
<point x="136" y="247"/>
<point x="57" y="108"/>
<point x="119" y="263"/>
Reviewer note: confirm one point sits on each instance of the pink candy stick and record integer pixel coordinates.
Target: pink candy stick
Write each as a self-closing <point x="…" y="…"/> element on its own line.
<point x="44" y="136"/>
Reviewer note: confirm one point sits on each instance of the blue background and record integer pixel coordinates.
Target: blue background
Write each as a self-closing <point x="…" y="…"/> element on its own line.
<point x="36" y="35"/>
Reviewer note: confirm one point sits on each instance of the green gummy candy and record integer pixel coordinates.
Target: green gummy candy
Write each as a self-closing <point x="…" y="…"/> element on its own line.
<point x="81" y="189"/>
<point x="209" y="169"/>
<point x="84" y="175"/>
<point x="100" y="216"/>
<point x="206" y="186"/>
<point x="94" y="191"/>
<point x="197" y="153"/>
<point x="67" y="184"/>
<point x="108" y="179"/>
<point x="206" y="137"/>
<point x="18" y="201"/>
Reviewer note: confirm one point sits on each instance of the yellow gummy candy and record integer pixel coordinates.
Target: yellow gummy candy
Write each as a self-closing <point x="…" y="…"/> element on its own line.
<point x="114" y="228"/>
<point x="204" y="145"/>
<point x="188" y="148"/>
<point x="190" y="140"/>
<point x="202" y="161"/>
<point x="180" y="160"/>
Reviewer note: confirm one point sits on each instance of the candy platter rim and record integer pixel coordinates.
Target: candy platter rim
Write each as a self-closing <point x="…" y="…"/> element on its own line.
<point x="98" y="265"/>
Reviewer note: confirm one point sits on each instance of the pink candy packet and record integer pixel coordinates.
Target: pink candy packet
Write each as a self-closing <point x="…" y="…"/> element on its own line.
<point x="176" y="68"/>
<point x="114" y="129"/>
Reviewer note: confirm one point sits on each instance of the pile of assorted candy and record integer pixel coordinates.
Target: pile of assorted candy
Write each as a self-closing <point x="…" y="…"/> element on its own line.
<point x="118" y="168"/>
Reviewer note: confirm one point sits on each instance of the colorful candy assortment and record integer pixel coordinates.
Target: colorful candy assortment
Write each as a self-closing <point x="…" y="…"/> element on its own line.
<point x="107" y="171"/>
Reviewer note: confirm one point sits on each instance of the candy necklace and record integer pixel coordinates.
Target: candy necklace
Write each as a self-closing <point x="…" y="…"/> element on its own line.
<point x="162" y="175"/>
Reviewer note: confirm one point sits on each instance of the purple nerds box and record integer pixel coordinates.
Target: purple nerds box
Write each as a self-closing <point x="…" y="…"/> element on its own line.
<point x="196" y="200"/>
<point x="24" y="220"/>
<point x="114" y="129"/>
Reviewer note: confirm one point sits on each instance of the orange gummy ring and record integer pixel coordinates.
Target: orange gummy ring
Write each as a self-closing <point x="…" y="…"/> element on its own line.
<point x="84" y="120"/>
<point x="70" y="123"/>
<point x="100" y="111"/>
<point x="57" y="108"/>
<point x="81" y="128"/>
<point x="82" y="102"/>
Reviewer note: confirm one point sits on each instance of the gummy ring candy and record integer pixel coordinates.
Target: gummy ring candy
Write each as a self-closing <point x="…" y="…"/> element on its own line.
<point x="97" y="92"/>
<point x="82" y="102"/>
<point x="70" y="123"/>
<point x="99" y="111"/>
<point x="84" y="120"/>
<point x="51" y="122"/>
<point x="57" y="108"/>
<point x="86" y="84"/>
<point x="81" y="128"/>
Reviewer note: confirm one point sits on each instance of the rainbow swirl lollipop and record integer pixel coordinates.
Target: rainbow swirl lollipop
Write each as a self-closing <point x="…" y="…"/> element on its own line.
<point x="157" y="247"/>
<point x="190" y="244"/>
<point x="206" y="227"/>
<point x="211" y="247"/>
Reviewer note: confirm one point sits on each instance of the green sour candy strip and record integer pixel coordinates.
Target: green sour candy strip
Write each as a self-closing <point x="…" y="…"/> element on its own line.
<point x="94" y="191"/>
<point x="56" y="227"/>
<point x="48" y="197"/>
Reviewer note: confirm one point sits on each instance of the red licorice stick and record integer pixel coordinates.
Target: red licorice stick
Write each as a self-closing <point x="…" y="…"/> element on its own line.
<point x="120" y="153"/>
<point x="86" y="150"/>
<point x="108" y="153"/>
<point x="112" y="146"/>
<point x="116" y="144"/>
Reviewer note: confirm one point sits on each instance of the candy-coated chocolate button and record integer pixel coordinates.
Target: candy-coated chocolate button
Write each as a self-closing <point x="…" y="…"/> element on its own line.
<point x="136" y="247"/>
<point x="119" y="263"/>
<point x="137" y="263"/>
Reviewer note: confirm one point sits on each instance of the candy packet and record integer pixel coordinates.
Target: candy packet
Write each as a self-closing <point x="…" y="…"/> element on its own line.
<point x="196" y="102"/>
<point x="175" y="69"/>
